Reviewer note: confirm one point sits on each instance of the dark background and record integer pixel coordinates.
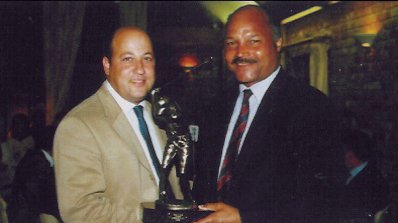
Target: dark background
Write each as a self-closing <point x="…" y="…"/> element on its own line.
<point x="22" y="78"/>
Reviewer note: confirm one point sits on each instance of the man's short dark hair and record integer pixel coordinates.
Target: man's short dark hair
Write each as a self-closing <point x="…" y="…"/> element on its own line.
<point x="359" y="143"/>
<point x="107" y="46"/>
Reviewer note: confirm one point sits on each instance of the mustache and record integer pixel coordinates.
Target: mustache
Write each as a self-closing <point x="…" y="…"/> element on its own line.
<point x="243" y="60"/>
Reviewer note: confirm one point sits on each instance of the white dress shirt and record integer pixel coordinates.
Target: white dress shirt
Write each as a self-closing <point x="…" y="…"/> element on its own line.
<point x="127" y="108"/>
<point x="258" y="90"/>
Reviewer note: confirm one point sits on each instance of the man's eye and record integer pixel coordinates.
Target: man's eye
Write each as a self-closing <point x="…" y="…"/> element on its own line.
<point x="148" y="58"/>
<point x="254" y="41"/>
<point x="127" y="59"/>
<point x="230" y="44"/>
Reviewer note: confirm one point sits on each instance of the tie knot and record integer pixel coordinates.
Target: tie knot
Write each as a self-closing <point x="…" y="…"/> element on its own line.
<point x="138" y="111"/>
<point x="246" y="94"/>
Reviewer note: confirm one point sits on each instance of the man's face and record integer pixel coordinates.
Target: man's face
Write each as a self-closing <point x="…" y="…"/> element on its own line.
<point x="250" y="52"/>
<point x="131" y="71"/>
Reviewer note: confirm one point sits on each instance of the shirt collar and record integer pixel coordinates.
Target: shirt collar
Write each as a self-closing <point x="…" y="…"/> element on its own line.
<point x="49" y="158"/>
<point x="123" y="103"/>
<point x="358" y="169"/>
<point x="261" y="87"/>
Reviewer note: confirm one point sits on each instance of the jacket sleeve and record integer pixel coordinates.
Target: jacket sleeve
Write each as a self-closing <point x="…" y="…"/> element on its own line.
<point x="80" y="178"/>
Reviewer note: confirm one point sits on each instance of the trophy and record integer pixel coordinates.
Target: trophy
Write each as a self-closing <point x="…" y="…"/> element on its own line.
<point x="167" y="115"/>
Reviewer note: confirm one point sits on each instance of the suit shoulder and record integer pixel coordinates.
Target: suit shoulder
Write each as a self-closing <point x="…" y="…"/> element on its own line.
<point x="304" y="88"/>
<point x="305" y="94"/>
<point x="90" y="108"/>
<point x="371" y="169"/>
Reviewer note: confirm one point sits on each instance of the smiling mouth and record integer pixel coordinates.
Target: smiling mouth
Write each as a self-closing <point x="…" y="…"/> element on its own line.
<point x="137" y="82"/>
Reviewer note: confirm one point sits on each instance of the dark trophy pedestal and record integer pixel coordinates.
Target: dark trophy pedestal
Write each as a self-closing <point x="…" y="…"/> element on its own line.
<point x="172" y="213"/>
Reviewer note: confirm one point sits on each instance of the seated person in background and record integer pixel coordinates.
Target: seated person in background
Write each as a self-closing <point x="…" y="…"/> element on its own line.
<point x="18" y="143"/>
<point x="33" y="192"/>
<point x="365" y="191"/>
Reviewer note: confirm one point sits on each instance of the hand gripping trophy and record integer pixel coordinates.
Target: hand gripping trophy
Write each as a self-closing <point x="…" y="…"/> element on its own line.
<point x="168" y="116"/>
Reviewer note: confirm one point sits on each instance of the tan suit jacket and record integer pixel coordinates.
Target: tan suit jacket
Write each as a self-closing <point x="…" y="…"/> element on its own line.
<point x="102" y="173"/>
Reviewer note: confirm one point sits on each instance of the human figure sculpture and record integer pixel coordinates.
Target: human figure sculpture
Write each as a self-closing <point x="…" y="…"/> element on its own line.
<point x="168" y="116"/>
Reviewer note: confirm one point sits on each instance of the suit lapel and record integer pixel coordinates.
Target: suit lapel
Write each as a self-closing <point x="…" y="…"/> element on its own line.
<point x="262" y="123"/>
<point x="121" y="125"/>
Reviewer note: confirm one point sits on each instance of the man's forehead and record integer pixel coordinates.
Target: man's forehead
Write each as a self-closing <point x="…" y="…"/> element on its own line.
<point x="249" y="15"/>
<point x="131" y="43"/>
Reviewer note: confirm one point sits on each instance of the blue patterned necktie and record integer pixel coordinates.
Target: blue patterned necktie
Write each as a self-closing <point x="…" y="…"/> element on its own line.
<point x="233" y="147"/>
<point x="145" y="133"/>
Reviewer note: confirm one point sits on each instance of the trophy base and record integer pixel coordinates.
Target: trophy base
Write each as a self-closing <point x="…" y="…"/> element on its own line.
<point x="172" y="212"/>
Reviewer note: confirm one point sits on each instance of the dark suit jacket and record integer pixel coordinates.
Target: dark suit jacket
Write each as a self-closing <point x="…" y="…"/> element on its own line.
<point x="34" y="185"/>
<point x="287" y="157"/>
<point x="367" y="193"/>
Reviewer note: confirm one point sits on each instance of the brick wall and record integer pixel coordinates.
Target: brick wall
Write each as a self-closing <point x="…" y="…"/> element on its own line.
<point x="363" y="82"/>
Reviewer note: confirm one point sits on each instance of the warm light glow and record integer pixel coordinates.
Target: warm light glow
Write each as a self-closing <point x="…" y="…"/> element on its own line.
<point x="365" y="39"/>
<point x="369" y="24"/>
<point x="188" y="61"/>
<point x="366" y="44"/>
<point x="222" y="9"/>
<point x="301" y="14"/>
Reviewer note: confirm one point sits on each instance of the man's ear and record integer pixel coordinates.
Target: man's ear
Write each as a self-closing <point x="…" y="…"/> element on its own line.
<point x="278" y="45"/>
<point x="106" y="63"/>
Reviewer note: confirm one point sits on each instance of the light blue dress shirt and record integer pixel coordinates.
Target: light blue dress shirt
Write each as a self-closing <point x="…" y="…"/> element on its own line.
<point x="258" y="90"/>
<point x="356" y="171"/>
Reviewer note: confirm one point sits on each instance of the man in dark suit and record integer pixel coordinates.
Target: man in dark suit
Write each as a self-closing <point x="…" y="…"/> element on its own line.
<point x="365" y="191"/>
<point x="283" y="144"/>
<point x="34" y="183"/>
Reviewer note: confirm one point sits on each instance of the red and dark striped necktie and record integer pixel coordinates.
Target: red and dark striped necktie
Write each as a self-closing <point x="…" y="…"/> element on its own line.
<point x="233" y="147"/>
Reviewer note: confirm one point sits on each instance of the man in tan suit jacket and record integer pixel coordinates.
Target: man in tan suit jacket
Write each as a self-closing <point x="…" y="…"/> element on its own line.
<point x="103" y="170"/>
